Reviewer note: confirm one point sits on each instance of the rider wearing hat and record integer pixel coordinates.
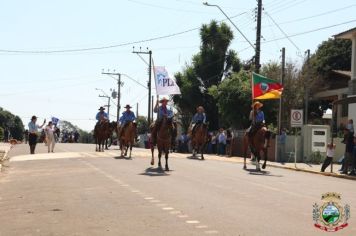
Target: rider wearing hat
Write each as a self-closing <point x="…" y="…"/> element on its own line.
<point x="198" y="118"/>
<point x="127" y="116"/>
<point x="102" y="115"/>
<point x="257" y="118"/>
<point x="162" y="111"/>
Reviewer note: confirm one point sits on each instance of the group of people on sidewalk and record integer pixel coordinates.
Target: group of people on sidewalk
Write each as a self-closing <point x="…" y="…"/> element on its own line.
<point x="349" y="161"/>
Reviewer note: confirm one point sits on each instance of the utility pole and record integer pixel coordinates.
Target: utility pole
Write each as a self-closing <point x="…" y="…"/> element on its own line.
<point x="258" y="36"/>
<point x="149" y="52"/>
<point x="280" y="116"/>
<point x="119" y="84"/>
<point x="104" y="96"/>
<point x="136" y="109"/>
<point x="306" y="94"/>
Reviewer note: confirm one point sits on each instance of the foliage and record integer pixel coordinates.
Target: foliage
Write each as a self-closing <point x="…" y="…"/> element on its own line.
<point x="233" y="97"/>
<point x="333" y="54"/>
<point x="207" y="69"/>
<point x="13" y="123"/>
<point x="315" y="158"/>
<point x="1" y="133"/>
<point x="142" y="125"/>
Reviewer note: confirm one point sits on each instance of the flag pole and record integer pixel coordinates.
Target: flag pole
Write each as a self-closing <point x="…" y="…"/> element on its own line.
<point x="157" y="97"/>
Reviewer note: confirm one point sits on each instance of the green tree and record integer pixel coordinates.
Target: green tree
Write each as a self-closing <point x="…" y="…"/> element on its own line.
<point x="84" y="136"/>
<point x="142" y="125"/>
<point x="13" y="123"/>
<point x="1" y="134"/>
<point x="207" y="69"/>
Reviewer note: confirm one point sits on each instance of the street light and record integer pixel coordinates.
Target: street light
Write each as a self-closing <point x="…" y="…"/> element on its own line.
<point x="105" y="96"/>
<point x="212" y="5"/>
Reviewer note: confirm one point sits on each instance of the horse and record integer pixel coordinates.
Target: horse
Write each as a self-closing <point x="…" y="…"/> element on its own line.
<point x="199" y="139"/>
<point x="164" y="141"/>
<point x="127" y="138"/>
<point x="260" y="143"/>
<point x="102" y="131"/>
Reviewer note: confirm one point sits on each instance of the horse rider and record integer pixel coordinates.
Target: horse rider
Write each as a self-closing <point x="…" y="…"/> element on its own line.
<point x="101" y="116"/>
<point x="257" y="118"/>
<point x="162" y="111"/>
<point x="127" y="116"/>
<point x="198" y="118"/>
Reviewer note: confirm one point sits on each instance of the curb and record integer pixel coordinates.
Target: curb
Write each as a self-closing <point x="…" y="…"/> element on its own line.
<point x="315" y="172"/>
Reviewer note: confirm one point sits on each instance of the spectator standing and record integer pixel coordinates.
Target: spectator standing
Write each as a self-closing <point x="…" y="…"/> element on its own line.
<point x="26" y="136"/>
<point x="353" y="168"/>
<point x="282" y="138"/>
<point x="349" y="148"/>
<point x="221" y="142"/>
<point x="330" y="152"/>
<point x="229" y="138"/>
<point x="33" y="133"/>
<point x="214" y="143"/>
<point x="51" y="141"/>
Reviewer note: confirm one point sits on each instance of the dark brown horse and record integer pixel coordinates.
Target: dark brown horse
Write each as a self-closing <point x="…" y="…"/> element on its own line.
<point x="102" y="131"/>
<point x="127" y="138"/>
<point x="199" y="139"/>
<point x="164" y="141"/>
<point x="260" y="143"/>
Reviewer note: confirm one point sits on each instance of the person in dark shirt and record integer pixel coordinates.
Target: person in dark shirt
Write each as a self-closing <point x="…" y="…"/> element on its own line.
<point x="349" y="148"/>
<point x="353" y="167"/>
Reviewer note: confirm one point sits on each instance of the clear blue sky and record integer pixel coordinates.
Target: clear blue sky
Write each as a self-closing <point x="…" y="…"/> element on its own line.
<point x="63" y="84"/>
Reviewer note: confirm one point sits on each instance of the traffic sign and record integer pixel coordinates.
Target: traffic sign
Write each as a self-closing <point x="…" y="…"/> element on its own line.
<point x="296" y="118"/>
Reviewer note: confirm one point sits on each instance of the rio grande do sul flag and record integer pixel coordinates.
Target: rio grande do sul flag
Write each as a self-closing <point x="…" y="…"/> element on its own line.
<point x="264" y="88"/>
<point x="165" y="84"/>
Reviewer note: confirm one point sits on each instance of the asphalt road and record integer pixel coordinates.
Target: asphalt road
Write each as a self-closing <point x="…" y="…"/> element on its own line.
<point x="80" y="192"/>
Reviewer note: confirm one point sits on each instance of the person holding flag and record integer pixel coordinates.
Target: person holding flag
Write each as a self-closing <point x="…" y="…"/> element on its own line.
<point x="161" y="111"/>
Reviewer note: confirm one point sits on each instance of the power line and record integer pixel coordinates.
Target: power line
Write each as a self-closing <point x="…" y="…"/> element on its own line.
<point x="285" y="34"/>
<point x="108" y="46"/>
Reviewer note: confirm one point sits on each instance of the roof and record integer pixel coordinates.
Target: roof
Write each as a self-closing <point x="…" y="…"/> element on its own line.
<point x="343" y="72"/>
<point x="348" y="34"/>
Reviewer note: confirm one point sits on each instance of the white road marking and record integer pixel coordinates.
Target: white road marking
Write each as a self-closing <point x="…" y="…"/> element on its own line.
<point x="167" y="208"/>
<point x="175" y="212"/>
<point x="182" y="216"/>
<point x="148" y="198"/>
<point x="192" y="222"/>
<point x="211" y="232"/>
<point x="201" y="226"/>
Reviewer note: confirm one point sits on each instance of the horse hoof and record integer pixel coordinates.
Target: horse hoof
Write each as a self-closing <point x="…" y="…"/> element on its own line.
<point x="245" y="167"/>
<point x="263" y="166"/>
<point x="166" y="169"/>
<point x="202" y="158"/>
<point x="152" y="163"/>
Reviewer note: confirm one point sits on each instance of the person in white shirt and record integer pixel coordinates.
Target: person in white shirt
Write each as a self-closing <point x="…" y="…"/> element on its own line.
<point x="51" y="141"/>
<point x="330" y="152"/>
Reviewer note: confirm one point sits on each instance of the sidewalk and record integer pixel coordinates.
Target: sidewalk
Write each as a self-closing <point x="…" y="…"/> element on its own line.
<point x="4" y="149"/>
<point x="309" y="168"/>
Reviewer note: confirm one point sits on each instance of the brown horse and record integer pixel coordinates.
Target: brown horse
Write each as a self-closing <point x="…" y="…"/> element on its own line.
<point x="102" y="131"/>
<point x="127" y="138"/>
<point x="260" y="143"/>
<point x="164" y="141"/>
<point x="199" y="139"/>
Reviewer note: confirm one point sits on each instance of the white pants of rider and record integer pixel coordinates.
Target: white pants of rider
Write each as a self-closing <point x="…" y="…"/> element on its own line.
<point x="51" y="142"/>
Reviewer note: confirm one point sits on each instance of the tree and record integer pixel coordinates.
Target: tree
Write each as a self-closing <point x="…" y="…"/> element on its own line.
<point x="208" y="68"/>
<point x="13" y="123"/>
<point x="84" y="136"/>
<point x="142" y="125"/>
<point x="233" y="97"/>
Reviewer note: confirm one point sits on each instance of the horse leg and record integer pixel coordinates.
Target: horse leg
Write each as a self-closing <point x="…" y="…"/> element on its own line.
<point x="202" y="152"/>
<point x="245" y="147"/>
<point x="130" y="150"/>
<point x="258" y="158"/>
<point x="126" y="148"/>
<point x="159" y="158"/>
<point x="166" y="157"/>
<point x="152" y="158"/>
<point x="265" y="158"/>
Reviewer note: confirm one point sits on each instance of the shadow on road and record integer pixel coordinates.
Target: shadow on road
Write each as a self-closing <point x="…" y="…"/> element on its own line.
<point x="155" y="172"/>
<point x="122" y="158"/>
<point x="261" y="173"/>
<point x="198" y="158"/>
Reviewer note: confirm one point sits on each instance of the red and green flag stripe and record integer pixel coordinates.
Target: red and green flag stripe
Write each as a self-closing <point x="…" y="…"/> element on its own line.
<point x="265" y="88"/>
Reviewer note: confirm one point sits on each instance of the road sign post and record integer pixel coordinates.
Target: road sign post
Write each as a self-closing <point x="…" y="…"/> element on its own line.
<point x="296" y="122"/>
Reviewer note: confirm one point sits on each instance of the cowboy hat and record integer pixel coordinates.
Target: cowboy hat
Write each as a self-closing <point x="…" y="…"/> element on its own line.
<point x="127" y="106"/>
<point x="257" y="104"/>
<point x="101" y="108"/>
<point x="164" y="100"/>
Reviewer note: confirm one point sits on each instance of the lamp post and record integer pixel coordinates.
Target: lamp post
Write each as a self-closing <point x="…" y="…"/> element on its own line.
<point x="105" y="96"/>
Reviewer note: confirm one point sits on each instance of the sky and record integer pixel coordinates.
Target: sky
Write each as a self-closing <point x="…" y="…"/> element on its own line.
<point x="41" y="80"/>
